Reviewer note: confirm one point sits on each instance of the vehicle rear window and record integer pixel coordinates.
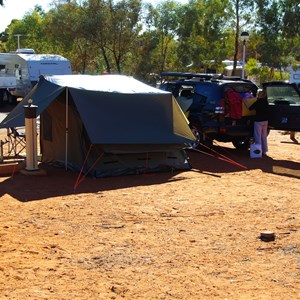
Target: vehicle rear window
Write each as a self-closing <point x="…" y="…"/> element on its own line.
<point x="285" y="93"/>
<point x="241" y="88"/>
<point x="209" y="91"/>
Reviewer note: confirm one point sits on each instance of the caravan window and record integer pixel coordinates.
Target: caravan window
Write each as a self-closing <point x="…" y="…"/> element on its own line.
<point x="2" y="68"/>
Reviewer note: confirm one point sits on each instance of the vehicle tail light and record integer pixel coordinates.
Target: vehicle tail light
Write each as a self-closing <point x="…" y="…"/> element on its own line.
<point x="220" y="109"/>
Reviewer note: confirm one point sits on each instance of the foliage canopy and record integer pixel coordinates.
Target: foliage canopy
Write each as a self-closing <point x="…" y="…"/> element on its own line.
<point x="141" y="39"/>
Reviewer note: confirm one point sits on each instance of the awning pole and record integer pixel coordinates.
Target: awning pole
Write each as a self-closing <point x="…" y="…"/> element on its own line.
<point x="67" y="128"/>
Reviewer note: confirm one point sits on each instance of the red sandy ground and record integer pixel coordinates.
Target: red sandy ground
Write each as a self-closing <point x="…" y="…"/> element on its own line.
<point x="183" y="235"/>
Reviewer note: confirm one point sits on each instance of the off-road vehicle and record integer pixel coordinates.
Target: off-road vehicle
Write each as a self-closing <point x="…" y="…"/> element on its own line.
<point x="212" y="114"/>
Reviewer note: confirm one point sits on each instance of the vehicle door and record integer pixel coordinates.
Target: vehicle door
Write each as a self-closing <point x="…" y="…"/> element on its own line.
<point x="284" y="105"/>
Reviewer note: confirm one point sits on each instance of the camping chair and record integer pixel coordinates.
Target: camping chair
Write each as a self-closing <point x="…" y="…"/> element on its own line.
<point x="17" y="141"/>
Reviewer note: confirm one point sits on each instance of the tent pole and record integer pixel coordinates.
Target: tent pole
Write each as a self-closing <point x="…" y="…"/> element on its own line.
<point x="67" y="128"/>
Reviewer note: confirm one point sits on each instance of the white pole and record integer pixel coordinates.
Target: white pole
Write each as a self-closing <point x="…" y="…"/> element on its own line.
<point x="18" y="38"/>
<point x="244" y="54"/>
<point x="31" y="137"/>
<point x="67" y="128"/>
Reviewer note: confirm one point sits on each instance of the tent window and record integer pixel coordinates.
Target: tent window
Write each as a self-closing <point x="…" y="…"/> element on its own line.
<point x="47" y="126"/>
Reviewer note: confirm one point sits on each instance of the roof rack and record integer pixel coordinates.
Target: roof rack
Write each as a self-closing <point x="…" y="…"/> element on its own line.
<point x="203" y="76"/>
<point x="191" y="75"/>
<point x="231" y="77"/>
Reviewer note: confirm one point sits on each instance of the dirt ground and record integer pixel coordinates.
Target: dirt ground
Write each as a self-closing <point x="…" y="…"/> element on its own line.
<point x="183" y="235"/>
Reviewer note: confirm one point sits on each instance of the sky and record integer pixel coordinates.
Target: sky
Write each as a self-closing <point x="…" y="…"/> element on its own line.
<point x="16" y="9"/>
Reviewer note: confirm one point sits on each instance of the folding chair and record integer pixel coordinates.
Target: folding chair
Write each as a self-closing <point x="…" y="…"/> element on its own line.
<point x="17" y="141"/>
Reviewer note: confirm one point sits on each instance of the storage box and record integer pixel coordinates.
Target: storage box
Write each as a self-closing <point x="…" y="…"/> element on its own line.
<point x="245" y="110"/>
<point x="255" y="151"/>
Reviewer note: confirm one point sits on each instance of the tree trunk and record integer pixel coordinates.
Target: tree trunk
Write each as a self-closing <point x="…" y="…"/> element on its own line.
<point x="237" y="34"/>
<point x="108" y="70"/>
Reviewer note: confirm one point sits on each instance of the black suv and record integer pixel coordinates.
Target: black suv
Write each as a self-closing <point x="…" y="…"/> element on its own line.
<point x="211" y="114"/>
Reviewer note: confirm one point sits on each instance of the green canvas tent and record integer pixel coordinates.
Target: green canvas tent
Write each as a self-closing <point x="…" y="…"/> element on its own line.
<point x="107" y="125"/>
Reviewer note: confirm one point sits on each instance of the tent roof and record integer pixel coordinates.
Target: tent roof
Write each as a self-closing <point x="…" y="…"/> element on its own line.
<point x="42" y="95"/>
<point x="104" y="83"/>
<point x="114" y="109"/>
<point x="51" y="86"/>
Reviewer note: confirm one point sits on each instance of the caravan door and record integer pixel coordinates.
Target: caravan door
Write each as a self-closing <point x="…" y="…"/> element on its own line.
<point x="284" y="105"/>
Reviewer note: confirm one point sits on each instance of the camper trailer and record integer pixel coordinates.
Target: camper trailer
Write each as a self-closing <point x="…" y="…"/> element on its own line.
<point x="20" y="71"/>
<point x="107" y="125"/>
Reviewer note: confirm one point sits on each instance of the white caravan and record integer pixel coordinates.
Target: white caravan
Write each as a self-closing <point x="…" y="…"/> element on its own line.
<point x="20" y="71"/>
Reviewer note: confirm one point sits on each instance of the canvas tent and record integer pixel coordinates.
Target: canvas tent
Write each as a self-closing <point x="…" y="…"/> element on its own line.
<point x="108" y="124"/>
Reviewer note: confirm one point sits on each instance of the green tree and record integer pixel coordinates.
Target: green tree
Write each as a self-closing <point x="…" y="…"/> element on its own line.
<point x="204" y="33"/>
<point x="291" y="18"/>
<point x="63" y="31"/>
<point x="163" y="21"/>
<point x="242" y="17"/>
<point x="273" y="48"/>
<point x="28" y="32"/>
<point x="291" y="29"/>
<point x="94" y="27"/>
<point x="124" y="25"/>
<point x="125" y="37"/>
<point x="111" y="30"/>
